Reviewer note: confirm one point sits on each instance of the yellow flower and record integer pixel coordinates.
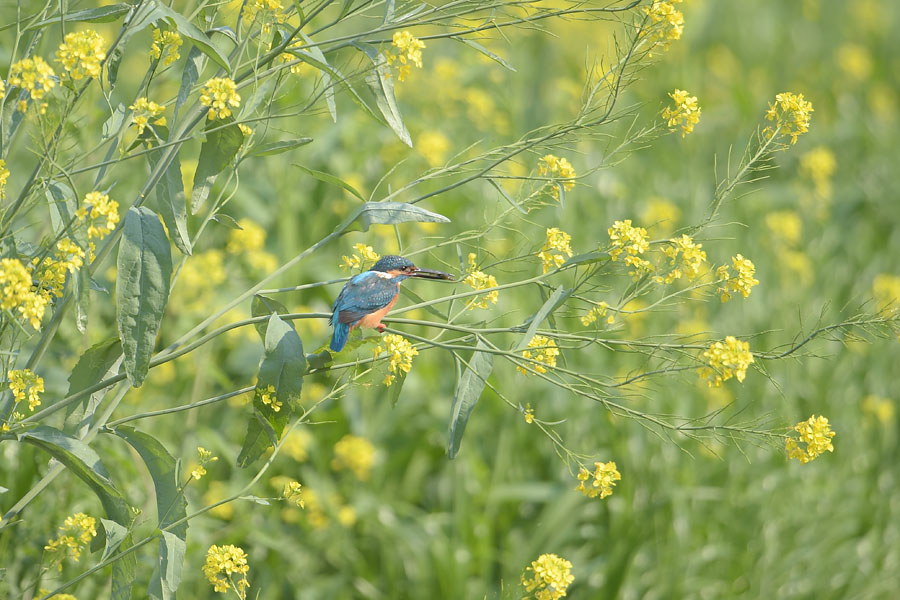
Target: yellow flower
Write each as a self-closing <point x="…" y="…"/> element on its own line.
<point x="206" y="457"/>
<point x="165" y="46"/>
<point x="479" y="280"/>
<point x="364" y="258"/>
<point x="550" y="577"/>
<point x="249" y="238"/>
<point x="96" y="206"/>
<point x="666" y="24"/>
<point x="819" y="164"/>
<point x="33" y="75"/>
<point x="43" y="592"/>
<point x="223" y="563"/>
<point x="401" y="353"/>
<point x="295" y="445"/>
<point x="661" y="214"/>
<point x="23" y="384"/>
<point x="596" y="312"/>
<point x="69" y="254"/>
<point x="409" y="53"/>
<point x="247" y="131"/>
<point x="4" y="172"/>
<point x="267" y="397"/>
<point x="218" y="94"/>
<point x="742" y="282"/>
<point x="881" y="408"/>
<point x="76" y="532"/>
<point x="144" y="110"/>
<point x="886" y="289"/>
<point x="356" y="454"/>
<point x="433" y="146"/>
<point x="685" y="114"/>
<point x="791" y="114"/>
<point x="633" y="242"/>
<point x="556" y="249"/>
<point x="81" y="54"/>
<point x="17" y="291"/>
<point x="529" y="414"/>
<point x="555" y="167"/>
<point x="816" y="433"/>
<point x="293" y="493"/>
<point x="605" y="476"/>
<point x="692" y="259"/>
<point x="253" y="8"/>
<point x="726" y="360"/>
<point x="785" y="225"/>
<point x="543" y="350"/>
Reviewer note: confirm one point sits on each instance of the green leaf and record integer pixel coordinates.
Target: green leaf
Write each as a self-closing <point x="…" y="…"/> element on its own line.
<point x="485" y="51"/>
<point x="102" y="14"/>
<point x="142" y="288"/>
<point x="167" y="574"/>
<point x="85" y="463"/>
<point x="259" y="94"/>
<point x="319" y="56"/>
<point x="227" y="221"/>
<point x="61" y="200"/>
<point x="506" y="196"/>
<point x="587" y="258"/>
<point x="556" y="299"/>
<point x="90" y="369"/>
<point x="196" y="60"/>
<point x="273" y="148"/>
<point x="221" y="144"/>
<point x="395" y="388"/>
<point x="471" y="385"/>
<point x="190" y="31"/>
<point x="382" y="85"/>
<point x="283" y="366"/>
<point x="112" y="537"/>
<point x="262" y="306"/>
<point x="170" y="201"/>
<point x="388" y="213"/>
<point x="328" y="178"/>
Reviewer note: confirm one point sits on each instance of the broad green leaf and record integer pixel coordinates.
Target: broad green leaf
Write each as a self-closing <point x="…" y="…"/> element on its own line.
<point x="167" y="574"/>
<point x="395" y="388"/>
<point x="485" y="51"/>
<point x="227" y="221"/>
<point x="91" y="368"/>
<point x="221" y="144"/>
<point x="113" y="534"/>
<point x="102" y="14"/>
<point x="170" y="201"/>
<point x="273" y="148"/>
<point x="142" y="288"/>
<point x="112" y="129"/>
<point x="389" y="11"/>
<point x="381" y="83"/>
<point x="556" y="299"/>
<point x="388" y="213"/>
<point x="283" y="366"/>
<point x="318" y="55"/>
<point x="61" y="201"/>
<point x="263" y="306"/>
<point x="113" y="124"/>
<point x="194" y="64"/>
<point x="471" y="385"/>
<point x="328" y="178"/>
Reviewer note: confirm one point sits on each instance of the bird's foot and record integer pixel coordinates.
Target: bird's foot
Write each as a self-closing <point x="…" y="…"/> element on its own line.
<point x="381" y="327"/>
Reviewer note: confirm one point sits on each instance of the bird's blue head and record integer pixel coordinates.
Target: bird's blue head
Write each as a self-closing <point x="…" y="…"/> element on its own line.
<point x="398" y="266"/>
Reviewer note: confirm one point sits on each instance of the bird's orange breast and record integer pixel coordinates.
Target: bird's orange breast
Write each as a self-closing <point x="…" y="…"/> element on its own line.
<point x="372" y="319"/>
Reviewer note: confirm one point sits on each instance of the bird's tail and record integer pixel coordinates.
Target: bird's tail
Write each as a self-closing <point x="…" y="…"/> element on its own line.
<point x="339" y="337"/>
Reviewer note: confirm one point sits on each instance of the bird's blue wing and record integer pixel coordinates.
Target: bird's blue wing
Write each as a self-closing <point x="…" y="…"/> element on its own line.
<point x="363" y="294"/>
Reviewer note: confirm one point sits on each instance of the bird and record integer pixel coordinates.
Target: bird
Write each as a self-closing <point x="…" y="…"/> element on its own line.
<point x="367" y="297"/>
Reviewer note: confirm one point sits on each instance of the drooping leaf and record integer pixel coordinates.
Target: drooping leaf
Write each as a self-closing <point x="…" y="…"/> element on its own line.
<point x="485" y="51"/>
<point x="263" y="306"/>
<point x="273" y="148"/>
<point x="381" y="83"/>
<point x="194" y="64"/>
<point x="396" y="388"/>
<point x="388" y="213"/>
<point x="222" y="143"/>
<point x="61" y="201"/>
<point x="329" y="178"/>
<point x="318" y="55"/>
<point x="170" y="201"/>
<point x="167" y="574"/>
<point x="142" y="288"/>
<point x="556" y="299"/>
<point x="91" y="368"/>
<point x="112" y="537"/>
<point x="101" y="14"/>
<point x="471" y="385"/>
<point x="227" y="221"/>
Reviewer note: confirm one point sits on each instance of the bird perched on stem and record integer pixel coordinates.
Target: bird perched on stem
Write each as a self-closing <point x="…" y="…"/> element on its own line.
<point x="367" y="297"/>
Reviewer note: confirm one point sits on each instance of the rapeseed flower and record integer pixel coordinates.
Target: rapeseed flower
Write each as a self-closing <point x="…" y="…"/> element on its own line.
<point x="557" y="168"/>
<point x="596" y="312"/>
<point x="33" y="75"/>
<point x="220" y="93"/>
<point x="293" y="493"/>
<point x="633" y="242"/>
<point x="550" y="577"/>
<point x="819" y="165"/>
<point x="791" y="114"/>
<point x="223" y="564"/>
<point x="691" y="257"/>
<point x="75" y="533"/>
<point x="603" y="479"/>
<point x="267" y="396"/>
<point x="409" y="53"/>
<point x="685" y="113"/>
<point x="144" y="110"/>
<point x="17" y="291"/>
<point x="543" y="351"/>
<point x="364" y="258"/>
<point x="741" y="282"/>
<point x="400" y="352"/>
<point x="96" y="207"/>
<point x="165" y="46"/>
<point x="725" y="360"/>
<point x="556" y="249"/>
<point x="23" y="383"/>
<point x="667" y="24"/>
<point x="81" y="54"/>
<point x="816" y="433"/>
<point x="356" y="454"/>
<point x="205" y="457"/>
<point x="478" y="280"/>
<point x="4" y="172"/>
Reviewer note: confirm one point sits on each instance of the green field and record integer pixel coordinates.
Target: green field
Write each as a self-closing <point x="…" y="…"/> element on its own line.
<point x="224" y="220"/>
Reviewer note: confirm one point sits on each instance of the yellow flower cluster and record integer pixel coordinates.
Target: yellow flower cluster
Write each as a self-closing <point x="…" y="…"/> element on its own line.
<point x="819" y="165"/>
<point x="4" y="172"/>
<point x="478" y="280"/>
<point x="816" y="433"/>
<point x="785" y="225"/>
<point x="144" y="110"/>
<point x="633" y="242"/>
<point x="603" y="480"/>
<point x="69" y="255"/>
<point x="556" y="249"/>
<point x="542" y="350"/>
<point x="43" y="592"/>
<point x="249" y="242"/>
<point x="692" y="259"/>
<point x="529" y="414"/>
<point x="742" y="282"/>
<point x="33" y="75"/>
<point x="267" y="397"/>
<point x="597" y="312"/>
<point x="23" y="383"/>
<point x="206" y="457"/>
<point x="76" y="532"/>
<point x="401" y="353"/>
<point x="364" y="258"/>
<point x="550" y="577"/>
<point x="293" y="493"/>
<point x="726" y="360"/>
<point x="17" y="291"/>
<point x="223" y="563"/>
<point x="218" y="94"/>
<point x="356" y="454"/>
<point x="791" y="114"/>
<point x="685" y="113"/>
<point x="253" y="8"/>
<point x="165" y="46"/>
<point x="81" y="54"/>
<point x="555" y="167"/>
<point x="95" y="208"/>
<point x="879" y="407"/>
<point x="409" y="53"/>
<point x="667" y="24"/>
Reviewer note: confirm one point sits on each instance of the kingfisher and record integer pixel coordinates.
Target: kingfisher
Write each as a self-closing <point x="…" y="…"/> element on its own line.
<point x="367" y="297"/>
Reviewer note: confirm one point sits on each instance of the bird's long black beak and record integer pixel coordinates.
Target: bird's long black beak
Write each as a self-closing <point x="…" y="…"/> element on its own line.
<point x="430" y="274"/>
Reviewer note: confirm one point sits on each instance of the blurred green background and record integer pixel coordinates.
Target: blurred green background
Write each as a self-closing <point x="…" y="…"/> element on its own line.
<point x="729" y="520"/>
